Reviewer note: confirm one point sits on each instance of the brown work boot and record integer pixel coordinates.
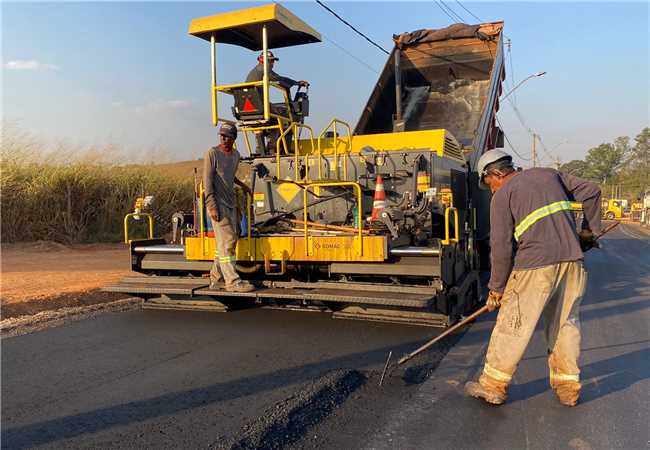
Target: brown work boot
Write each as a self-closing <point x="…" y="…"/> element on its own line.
<point x="488" y="389"/>
<point x="568" y="392"/>
<point x="216" y="285"/>
<point x="240" y="286"/>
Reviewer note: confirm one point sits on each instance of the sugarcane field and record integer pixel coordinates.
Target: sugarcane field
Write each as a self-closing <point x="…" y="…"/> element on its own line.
<point x="325" y="225"/>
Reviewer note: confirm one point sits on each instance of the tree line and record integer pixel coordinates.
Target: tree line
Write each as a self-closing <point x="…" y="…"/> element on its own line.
<point x="623" y="163"/>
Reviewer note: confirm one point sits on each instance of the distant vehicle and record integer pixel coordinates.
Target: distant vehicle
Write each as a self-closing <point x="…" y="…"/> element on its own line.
<point x="613" y="209"/>
<point x="645" y="211"/>
<point x="636" y="211"/>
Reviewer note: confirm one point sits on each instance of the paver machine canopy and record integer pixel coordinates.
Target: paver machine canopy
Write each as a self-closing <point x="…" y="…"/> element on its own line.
<point x="261" y="28"/>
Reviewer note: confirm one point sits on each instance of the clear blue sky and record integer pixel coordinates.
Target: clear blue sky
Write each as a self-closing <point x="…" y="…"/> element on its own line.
<point x="128" y="74"/>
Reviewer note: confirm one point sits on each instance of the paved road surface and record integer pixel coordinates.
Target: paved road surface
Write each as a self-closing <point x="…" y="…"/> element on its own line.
<point x="172" y="380"/>
<point x="615" y="409"/>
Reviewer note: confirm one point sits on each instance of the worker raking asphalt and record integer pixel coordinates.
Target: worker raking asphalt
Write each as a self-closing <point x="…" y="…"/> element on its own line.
<point x="536" y="256"/>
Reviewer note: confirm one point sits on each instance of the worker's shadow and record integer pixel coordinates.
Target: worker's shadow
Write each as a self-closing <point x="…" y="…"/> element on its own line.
<point x="600" y="378"/>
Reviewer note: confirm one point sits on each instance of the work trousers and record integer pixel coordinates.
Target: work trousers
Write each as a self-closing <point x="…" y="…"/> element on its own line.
<point x="225" y="235"/>
<point x="553" y="292"/>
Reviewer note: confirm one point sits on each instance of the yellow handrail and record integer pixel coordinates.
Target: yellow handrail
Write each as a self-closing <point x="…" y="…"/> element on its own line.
<point x="228" y="87"/>
<point x="133" y="214"/>
<point x="335" y="121"/>
<point x="447" y="240"/>
<point x="357" y="188"/>
<point x="249" y="217"/>
<point x="295" y="126"/>
<point x="281" y="139"/>
<point x="311" y="140"/>
<point x="202" y="218"/>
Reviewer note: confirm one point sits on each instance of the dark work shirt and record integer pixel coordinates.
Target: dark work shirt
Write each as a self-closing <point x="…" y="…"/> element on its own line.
<point x="257" y="74"/>
<point x="219" y="169"/>
<point x="550" y="240"/>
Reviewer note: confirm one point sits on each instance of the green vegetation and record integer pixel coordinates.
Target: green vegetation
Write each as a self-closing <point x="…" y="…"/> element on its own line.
<point x="79" y="195"/>
<point x="619" y="163"/>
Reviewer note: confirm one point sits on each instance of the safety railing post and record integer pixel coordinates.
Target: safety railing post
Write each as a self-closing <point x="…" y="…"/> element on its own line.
<point x="448" y="240"/>
<point x="202" y="217"/>
<point x="265" y="78"/>
<point x="126" y="224"/>
<point x="249" y="218"/>
<point x="213" y="89"/>
<point x="304" y="219"/>
<point x="335" y="141"/>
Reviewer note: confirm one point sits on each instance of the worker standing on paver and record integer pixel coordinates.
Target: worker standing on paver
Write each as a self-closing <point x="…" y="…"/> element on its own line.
<point x="219" y="169"/>
<point x="537" y="270"/>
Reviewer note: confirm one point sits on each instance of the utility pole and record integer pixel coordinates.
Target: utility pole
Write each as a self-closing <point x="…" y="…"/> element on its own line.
<point x="534" y="152"/>
<point x="558" y="163"/>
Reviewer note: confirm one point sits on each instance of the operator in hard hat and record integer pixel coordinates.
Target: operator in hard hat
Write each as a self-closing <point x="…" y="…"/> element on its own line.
<point x="257" y="74"/>
<point x="219" y="169"/>
<point x="537" y="270"/>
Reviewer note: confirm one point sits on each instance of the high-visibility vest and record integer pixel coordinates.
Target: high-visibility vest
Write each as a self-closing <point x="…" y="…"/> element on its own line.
<point x="545" y="211"/>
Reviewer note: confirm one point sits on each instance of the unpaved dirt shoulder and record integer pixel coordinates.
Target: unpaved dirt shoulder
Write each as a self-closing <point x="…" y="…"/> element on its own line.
<point x="45" y="276"/>
<point x="43" y="270"/>
<point x="54" y="303"/>
<point x="17" y="326"/>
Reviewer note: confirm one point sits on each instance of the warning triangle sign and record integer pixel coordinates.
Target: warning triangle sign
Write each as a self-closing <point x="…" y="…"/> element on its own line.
<point x="248" y="106"/>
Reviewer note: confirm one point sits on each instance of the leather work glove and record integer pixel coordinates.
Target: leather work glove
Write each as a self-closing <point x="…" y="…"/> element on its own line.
<point x="588" y="240"/>
<point x="493" y="301"/>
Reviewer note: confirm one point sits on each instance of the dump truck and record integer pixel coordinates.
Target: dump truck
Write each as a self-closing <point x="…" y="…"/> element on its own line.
<point x="310" y="239"/>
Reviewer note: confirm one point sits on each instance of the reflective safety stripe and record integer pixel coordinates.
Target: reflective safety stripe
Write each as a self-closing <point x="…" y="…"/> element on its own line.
<point x="227" y="259"/>
<point x="540" y="213"/>
<point x="496" y="374"/>
<point x="563" y="377"/>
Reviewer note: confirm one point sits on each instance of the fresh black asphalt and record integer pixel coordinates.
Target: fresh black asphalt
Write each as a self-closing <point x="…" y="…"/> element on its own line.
<point x="160" y="379"/>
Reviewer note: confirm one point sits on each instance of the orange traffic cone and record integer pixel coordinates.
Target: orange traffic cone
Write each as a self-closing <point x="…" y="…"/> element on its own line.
<point x="379" y="202"/>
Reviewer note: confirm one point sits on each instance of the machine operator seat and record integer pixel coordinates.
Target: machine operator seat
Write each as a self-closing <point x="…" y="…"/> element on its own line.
<point x="249" y="111"/>
<point x="249" y="106"/>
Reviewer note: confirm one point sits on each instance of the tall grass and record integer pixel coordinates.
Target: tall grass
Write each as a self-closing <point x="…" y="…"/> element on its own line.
<point x="78" y="195"/>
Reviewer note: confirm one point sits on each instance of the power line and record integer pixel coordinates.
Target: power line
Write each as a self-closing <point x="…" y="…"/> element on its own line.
<point x="346" y="51"/>
<point x="470" y="12"/>
<point x="444" y="11"/>
<point x="446" y="5"/>
<point x="508" y="140"/>
<point x="353" y="28"/>
<point x="360" y="61"/>
<point x="546" y="150"/>
<point x="451" y="14"/>
<point x="512" y="69"/>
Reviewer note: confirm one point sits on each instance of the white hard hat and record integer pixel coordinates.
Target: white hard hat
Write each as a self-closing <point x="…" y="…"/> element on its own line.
<point x="487" y="158"/>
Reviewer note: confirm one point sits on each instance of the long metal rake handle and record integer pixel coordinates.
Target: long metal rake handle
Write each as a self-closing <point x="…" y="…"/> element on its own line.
<point x="419" y="350"/>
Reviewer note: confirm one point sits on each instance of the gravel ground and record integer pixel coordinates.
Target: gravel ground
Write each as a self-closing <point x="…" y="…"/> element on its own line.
<point x="16" y="326"/>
